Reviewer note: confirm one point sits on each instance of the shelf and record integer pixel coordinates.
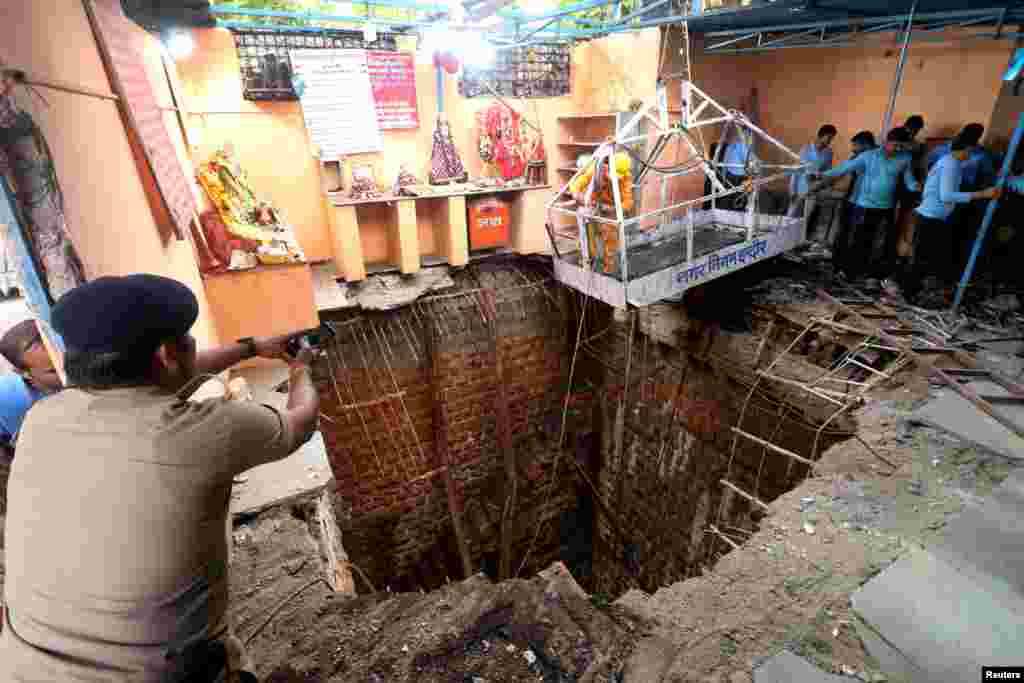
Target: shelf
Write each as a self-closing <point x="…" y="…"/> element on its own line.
<point x="409" y="233"/>
<point x="339" y="199"/>
<point x="579" y="144"/>
<point x="567" y="169"/>
<point x="599" y="115"/>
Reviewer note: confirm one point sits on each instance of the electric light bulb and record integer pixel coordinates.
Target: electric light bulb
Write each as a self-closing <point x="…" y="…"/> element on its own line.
<point x="178" y="43"/>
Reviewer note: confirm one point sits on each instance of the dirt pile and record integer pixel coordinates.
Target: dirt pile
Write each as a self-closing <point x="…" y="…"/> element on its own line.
<point x="474" y="631"/>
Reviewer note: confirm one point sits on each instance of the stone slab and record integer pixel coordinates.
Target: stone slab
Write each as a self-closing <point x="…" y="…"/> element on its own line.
<point x="787" y="667"/>
<point x="986" y="542"/>
<point x="954" y="414"/>
<point x="941" y="619"/>
<point x="890" y="660"/>
<point x="305" y="471"/>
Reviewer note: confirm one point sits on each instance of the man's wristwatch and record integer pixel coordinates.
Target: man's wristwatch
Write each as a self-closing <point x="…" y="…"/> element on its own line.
<point x="250" y="346"/>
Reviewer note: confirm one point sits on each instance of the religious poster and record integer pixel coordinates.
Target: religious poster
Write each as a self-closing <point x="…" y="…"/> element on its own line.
<point x="393" y="79"/>
<point x="337" y="101"/>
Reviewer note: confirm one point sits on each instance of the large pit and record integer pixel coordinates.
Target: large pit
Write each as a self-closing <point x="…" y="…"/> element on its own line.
<point x="430" y="408"/>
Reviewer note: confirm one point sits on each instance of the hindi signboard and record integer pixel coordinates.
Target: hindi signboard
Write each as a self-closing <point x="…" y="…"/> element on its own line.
<point x="337" y="101"/>
<point x="393" y="79"/>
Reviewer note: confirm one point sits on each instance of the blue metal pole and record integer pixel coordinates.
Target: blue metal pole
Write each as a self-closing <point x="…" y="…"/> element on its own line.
<point x="990" y="213"/>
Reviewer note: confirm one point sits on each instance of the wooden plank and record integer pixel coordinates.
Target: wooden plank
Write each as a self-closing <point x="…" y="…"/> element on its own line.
<point x="408" y="255"/>
<point x="820" y="393"/>
<point x="440" y="420"/>
<point x="773" y="447"/>
<point x="340" y="199"/>
<point x="718" y="532"/>
<point x="504" y="425"/>
<point x="346" y="245"/>
<point x="374" y="402"/>
<point x="918" y="358"/>
<point x="842" y="328"/>
<point x="456" y="239"/>
<point x="741" y="492"/>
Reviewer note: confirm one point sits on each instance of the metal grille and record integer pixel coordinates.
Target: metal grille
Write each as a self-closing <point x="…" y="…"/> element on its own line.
<point x="536" y="71"/>
<point x="265" y="65"/>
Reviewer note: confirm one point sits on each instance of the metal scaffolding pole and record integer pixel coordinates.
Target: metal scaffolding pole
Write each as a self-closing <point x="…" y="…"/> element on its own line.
<point x="898" y="80"/>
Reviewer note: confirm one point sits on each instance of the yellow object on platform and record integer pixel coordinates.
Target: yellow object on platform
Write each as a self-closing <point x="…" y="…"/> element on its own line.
<point x="603" y="194"/>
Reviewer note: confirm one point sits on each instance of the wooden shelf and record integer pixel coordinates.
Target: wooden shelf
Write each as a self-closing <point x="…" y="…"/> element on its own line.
<point x="339" y="199"/>
<point x="579" y="144"/>
<point x="262" y="301"/>
<point x="598" y="115"/>
<point x="402" y="233"/>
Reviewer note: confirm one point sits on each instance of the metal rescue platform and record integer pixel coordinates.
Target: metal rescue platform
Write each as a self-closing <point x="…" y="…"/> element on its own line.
<point x="687" y="240"/>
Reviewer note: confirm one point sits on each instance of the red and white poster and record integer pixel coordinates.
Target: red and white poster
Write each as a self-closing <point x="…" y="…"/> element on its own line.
<point x="393" y="79"/>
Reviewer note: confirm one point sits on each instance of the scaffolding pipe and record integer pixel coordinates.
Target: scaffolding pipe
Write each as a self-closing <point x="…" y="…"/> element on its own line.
<point x="898" y="80"/>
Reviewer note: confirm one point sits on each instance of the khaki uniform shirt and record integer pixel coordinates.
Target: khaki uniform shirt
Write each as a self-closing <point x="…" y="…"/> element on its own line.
<point x="115" y="544"/>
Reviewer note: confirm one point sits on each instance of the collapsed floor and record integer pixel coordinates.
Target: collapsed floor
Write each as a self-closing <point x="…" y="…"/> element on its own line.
<point x="628" y="504"/>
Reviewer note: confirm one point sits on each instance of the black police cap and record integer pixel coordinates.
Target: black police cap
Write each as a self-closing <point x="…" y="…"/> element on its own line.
<point x="117" y="314"/>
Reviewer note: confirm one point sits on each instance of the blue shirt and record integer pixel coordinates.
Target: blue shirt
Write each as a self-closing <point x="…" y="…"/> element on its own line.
<point x="942" y="189"/>
<point x="978" y="171"/>
<point x="736" y="156"/>
<point x="879" y="177"/>
<point x="817" y="161"/>
<point x="16" y="397"/>
<point x="1015" y="184"/>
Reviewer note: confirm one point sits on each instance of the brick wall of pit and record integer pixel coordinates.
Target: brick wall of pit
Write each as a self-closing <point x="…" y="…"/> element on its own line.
<point x="393" y="509"/>
<point x="677" y="444"/>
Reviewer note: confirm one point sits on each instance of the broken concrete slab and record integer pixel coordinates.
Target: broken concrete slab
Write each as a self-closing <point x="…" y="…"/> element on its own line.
<point x="383" y="292"/>
<point x="944" y="621"/>
<point x="305" y="471"/>
<point x="987" y="543"/>
<point x="954" y="414"/>
<point x="787" y="667"/>
<point x="890" y="660"/>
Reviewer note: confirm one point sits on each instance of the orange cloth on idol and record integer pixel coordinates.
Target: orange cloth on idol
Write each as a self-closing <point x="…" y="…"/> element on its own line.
<point x="623" y="175"/>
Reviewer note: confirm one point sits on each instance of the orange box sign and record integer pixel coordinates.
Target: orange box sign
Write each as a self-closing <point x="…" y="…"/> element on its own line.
<point x="488" y="223"/>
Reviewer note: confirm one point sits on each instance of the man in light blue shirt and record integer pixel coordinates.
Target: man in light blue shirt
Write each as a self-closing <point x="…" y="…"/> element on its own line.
<point x="817" y="158"/>
<point x="979" y="169"/>
<point x="737" y="157"/>
<point x="871" y="210"/>
<point x="22" y="346"/>
<point x="933" y="239"/>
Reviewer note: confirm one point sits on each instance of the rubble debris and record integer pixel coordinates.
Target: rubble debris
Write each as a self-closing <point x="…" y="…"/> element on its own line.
<point x="450" y="635"/>
<point x="384" y="292"/>
<point x="1003" y="303"/>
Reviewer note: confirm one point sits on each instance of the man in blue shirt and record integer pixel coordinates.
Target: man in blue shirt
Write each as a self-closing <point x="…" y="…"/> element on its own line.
<point x="737" y="157"/>
<point x="871" y="209"/>
<point x="979" y="169"/>
<point x="22" y="346"/>
<point x="859" y="143"/>
<point x="933" y="238"/>
<point x="817" y="157"/>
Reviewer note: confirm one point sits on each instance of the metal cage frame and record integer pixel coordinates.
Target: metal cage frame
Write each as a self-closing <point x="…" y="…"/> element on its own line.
<point x="763" y="236"/>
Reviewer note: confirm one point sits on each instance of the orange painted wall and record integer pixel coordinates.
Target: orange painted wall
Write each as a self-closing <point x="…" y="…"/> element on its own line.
<point x="109" y="218"/>
<point x="271" y="142"/>
<point x="798" y="90"/>
<point x="949" y="83"/>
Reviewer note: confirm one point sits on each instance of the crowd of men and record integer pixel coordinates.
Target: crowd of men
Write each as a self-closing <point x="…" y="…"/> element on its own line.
<point x="917" y="204"/>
